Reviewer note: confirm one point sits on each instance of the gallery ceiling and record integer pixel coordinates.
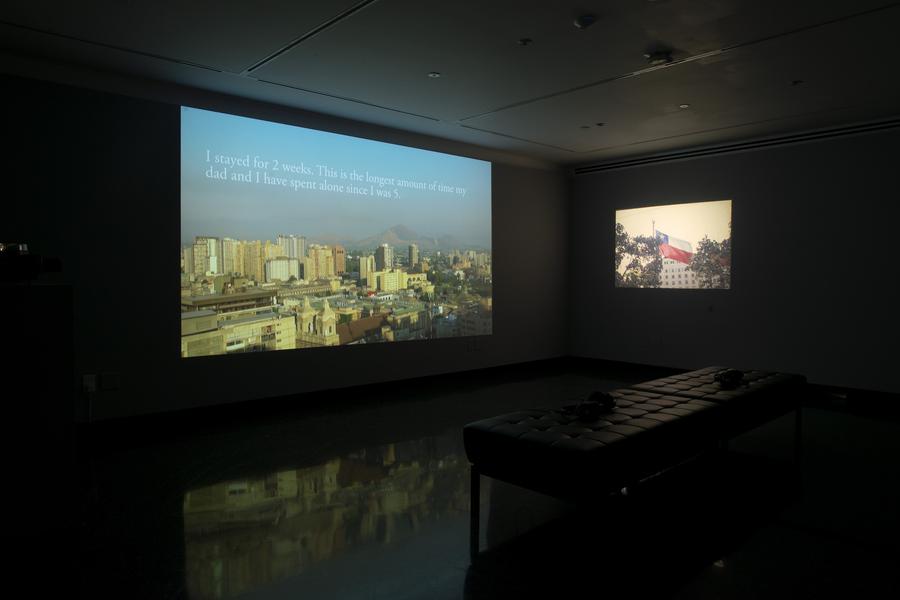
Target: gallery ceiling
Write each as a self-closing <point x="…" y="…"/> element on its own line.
<point x="516" y="76"/>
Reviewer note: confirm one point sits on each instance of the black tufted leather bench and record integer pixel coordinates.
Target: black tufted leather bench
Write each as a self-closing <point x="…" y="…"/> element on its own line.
<point x="654" y="426"/>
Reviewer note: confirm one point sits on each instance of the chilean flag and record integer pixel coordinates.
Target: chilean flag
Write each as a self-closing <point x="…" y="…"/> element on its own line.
<point x="674" y="248"/>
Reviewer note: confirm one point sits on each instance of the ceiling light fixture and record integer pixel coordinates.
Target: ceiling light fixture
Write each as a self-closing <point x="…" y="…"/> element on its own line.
<point x="525" y="41"/>
<point x="682" y="106"/>
<point x="434" y="74"/>
<point x="658" y="57"/>
<point x="585" y="21"/>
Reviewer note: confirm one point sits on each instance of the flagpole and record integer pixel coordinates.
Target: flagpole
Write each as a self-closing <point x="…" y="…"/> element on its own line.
<point x="655" y="242"/>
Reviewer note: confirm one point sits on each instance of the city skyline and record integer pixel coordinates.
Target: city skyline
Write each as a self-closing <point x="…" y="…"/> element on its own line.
<point x="253" y="295"/>
<point x="425" y="242"/>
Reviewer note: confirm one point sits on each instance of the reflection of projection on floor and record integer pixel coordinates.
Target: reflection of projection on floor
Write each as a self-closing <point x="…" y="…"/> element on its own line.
<point x="242" y="534"/>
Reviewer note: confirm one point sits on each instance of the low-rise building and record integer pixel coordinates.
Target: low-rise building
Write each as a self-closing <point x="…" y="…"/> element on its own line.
<point x="222" y="303"/>
<point x="258" y="332"/>
<point x="200" y="335"/>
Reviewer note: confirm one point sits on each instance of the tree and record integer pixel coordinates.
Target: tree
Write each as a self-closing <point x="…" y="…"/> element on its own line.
<point x="712" y="263"/>
<point x="641" y="258"/>
<point x="621" y="244"/>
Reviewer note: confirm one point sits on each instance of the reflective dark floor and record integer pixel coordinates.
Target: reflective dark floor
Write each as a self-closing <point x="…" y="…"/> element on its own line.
<point x="372" y="502"/>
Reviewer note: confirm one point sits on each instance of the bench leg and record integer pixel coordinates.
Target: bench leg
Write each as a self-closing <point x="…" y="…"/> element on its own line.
<point x="474" y="511"/>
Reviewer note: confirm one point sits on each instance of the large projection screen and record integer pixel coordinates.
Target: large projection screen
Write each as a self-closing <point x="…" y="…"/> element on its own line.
<point x="674" y="246"/>
<point x="293" y="238"/>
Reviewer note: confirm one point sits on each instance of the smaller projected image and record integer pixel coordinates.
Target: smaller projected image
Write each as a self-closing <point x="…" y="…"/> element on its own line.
<point x="674" y="246"/>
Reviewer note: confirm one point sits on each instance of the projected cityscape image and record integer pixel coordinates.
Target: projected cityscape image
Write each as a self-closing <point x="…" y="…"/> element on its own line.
<point x="676" y="246"/>
<point x="295" y="238"/>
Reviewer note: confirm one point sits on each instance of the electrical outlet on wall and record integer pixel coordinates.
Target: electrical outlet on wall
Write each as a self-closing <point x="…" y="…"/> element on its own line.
<point x="89" y="383"/>
<point x="473" y="344"/>
<point x="110" y="380"/>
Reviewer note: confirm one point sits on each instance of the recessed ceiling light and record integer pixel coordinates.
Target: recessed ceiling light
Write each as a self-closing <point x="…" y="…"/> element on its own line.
<point x="684" y="106"/>
<point x="585" y="21"/>
<point x="434" y="74"/>
<point x="599" y="124"/>
<point x="658" y="57"/>
<point x="585" y="126"/>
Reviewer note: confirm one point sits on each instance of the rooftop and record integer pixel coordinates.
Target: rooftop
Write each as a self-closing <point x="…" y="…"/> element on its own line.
<point x="360" y="328"/>
<point x="266" y="316"/>
<point x="196" y="314"/>
<point x="236" y="297"/>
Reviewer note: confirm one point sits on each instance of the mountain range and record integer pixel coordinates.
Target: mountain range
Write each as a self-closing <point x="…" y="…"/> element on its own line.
<point x="400" y="236"/>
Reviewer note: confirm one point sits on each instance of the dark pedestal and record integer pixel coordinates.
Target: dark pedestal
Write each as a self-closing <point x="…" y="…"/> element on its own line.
<point x="37" y="388"/>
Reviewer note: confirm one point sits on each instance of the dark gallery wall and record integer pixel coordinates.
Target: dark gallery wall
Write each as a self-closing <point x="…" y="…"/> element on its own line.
<point x="93" y="179"/>
<point x="815" y="264"/>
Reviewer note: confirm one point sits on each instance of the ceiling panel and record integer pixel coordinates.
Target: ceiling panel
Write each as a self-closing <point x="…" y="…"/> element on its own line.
<point x="717" y="138"/>
<point x="749" y="86"/>
<point x="222" y="34"/>
<point x="382" y="55"/>
<point x="102" y="67"/>
<point x="370" y="64"/>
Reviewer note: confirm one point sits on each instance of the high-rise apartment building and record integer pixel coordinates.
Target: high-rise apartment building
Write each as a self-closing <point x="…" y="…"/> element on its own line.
<point x="200" y="257"/>
<point x="229" y="255"/>
<point x="413" y="255"/>
<point x="389" y="281"/>
<point x="384" y="257"/>
<point x="319" y="262"/>
<point x="272" y="250"/>
<point x="282" y="269"/>
<point x="254" y="260"/>
<point x="239" y="258"/>
<point x="301" y="247"/>
<point x="284" y="244"/>
<point x="292" y="246"/>
<point x="187" y="257"/>
<point x="340" y="259"/>
<point x="207" y="254"/>
<point x="215" y="257"/>
<point x="366" y="266"/>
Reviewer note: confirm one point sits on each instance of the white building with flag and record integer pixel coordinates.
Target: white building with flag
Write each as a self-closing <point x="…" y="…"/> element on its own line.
<point x="676" y="270"/>
<point x="675" y="274"/>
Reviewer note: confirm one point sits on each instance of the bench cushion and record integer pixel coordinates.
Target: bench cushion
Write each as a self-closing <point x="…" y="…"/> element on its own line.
<point x="655" y="424"/>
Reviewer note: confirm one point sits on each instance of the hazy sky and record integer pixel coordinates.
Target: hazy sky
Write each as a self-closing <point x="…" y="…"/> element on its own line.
<point x="259" y="211"/>
<point x="689" y="222"/>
